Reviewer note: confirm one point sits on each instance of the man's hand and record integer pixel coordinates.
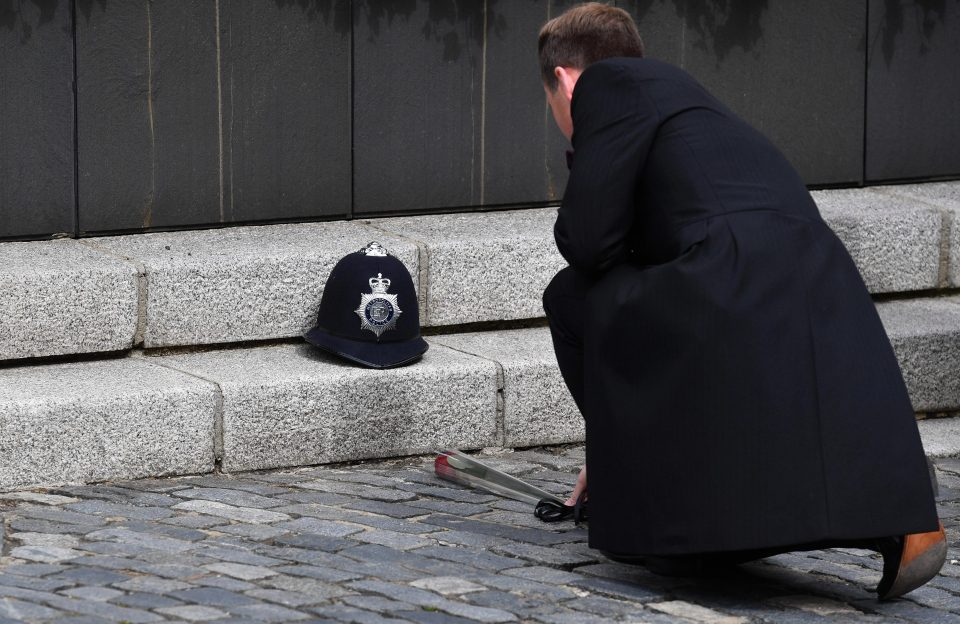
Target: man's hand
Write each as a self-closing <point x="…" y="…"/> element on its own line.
<point x="581" y="486"/>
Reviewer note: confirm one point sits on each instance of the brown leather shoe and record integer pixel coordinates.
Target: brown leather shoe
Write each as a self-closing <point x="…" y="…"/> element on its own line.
<point x="910" y="561"/>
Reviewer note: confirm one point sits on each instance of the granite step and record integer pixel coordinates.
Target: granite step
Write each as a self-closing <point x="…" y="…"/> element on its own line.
<point x="273" y="406"/>
<point x="288" y="404"/>
<point x="234" y="285"/>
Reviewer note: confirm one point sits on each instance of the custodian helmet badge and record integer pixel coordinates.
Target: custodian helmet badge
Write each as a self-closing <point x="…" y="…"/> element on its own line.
<point x="385" y="335"/>
<point x="378" y="311"/>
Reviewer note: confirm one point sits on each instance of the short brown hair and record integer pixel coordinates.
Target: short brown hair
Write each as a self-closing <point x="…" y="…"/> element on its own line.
<point x="586" y="34"/>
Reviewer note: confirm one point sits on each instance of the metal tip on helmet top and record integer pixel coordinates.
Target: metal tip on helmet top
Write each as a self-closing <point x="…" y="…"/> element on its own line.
<point x="374" y="248"/>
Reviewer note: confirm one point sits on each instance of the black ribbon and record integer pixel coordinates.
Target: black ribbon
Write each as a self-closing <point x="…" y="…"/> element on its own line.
<point x="549" y="510"/>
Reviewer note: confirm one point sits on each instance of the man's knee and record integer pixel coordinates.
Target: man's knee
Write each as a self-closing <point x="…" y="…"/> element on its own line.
<point x="568" y="285"/>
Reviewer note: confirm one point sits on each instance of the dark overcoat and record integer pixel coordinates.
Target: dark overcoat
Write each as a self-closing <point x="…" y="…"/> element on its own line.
<point x="740" y="390"/>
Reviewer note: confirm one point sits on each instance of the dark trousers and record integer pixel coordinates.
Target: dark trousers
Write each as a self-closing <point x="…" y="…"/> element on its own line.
<point x="564" y="301"/>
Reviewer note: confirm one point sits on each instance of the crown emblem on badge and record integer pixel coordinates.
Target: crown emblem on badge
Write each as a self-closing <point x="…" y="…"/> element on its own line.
<point x="379" y="284"/>
<point x="378" y="310"/>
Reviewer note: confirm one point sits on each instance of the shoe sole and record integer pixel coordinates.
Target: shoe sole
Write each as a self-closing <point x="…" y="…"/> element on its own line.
<point x="916" y="573"/>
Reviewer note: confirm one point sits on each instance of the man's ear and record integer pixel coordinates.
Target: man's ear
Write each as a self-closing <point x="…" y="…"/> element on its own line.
<point x="566" y="80"/>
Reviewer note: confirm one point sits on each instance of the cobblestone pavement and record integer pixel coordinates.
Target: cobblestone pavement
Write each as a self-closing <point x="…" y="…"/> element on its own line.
<point x="387" y="542"/>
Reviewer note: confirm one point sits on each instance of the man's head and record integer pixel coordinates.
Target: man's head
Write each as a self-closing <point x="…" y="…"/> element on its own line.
<point x="585" y="34"/>
<point x="570" y="42"/>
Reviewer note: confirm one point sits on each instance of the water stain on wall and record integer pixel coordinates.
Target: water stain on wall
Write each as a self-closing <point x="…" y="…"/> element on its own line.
<point x="335" y="13"/>
<point x="926" y="17"/>
<point x="719" y="26"/>
<point x="85" y="7"/>
<point x="13" y="19"/>
<point x="445" y="21"/>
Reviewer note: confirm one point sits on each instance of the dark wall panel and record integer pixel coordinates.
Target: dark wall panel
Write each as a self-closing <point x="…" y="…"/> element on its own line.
<point x="200" y="113"/>
<point x="523" y="150"/>
<point x="148" y="118"/>
<point x="913" y="89"/>
<point x="418" y="87"/>
<point x="286" y="109"/>
<point x="794" y="70"/>
<point x="36" y="119"/>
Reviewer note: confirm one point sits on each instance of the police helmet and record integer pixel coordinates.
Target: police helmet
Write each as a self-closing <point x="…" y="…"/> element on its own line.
<point x="368" y="311"/>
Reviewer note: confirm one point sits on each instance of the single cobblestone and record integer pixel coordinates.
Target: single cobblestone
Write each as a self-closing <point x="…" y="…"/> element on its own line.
<point x="157" y="528"/>
<point x="193" y="613"/>
<point x="315" y="526"/>
<point x="387" y="542"/>
<point x="106" y="508"/>
<point x="447" y="585"/>
<point x="21" y="611"/>
<point x="407" y="561"/>
<point x="432" y="617"/>
<point x="323" y="574"/>
<point x="38" y="497"/>
<point x="194" y="521"/>
<point x="60" y="540"/>
<point x="392" y="539"/>
<point x="547" y="593"/>
<point x="353" y="489"/>
<point x="460" y="496"/>
<point x="258" y="532"/>
<point x="237" y="498"/>
<point x="142" y="600"/>
<point x="103" y="610"/>
<point x="542" y="555"/>
<point x="556" y="615"/>
<point x="531" y="536"/>
<point x="376" y="603"/>
<point x="316" y="498"/>
<point x="142" y="540"/>
<point x="469" y="557"/>
<point x="89" y="576"/>
<point x="225" y="582"/>
<point x="352" y="615"/>
<point x="521" y="605"/>
<point x="45" y="554"/>
<point x="32" y="583"/>
<point x="393" y="510"/>
<point x="98" y="594"/>
<point x="285" y="598"/>
<point x="337" y="514"/>
<point x="151" y="584"/>
<point x="319" y="590"/>
<point x="58" y="515"/>
<point x="212" y="596"/>
<point x="224" y="552"/>
<point x="696" y="613"/>
<point x="231" y="512"/>
<point x="358" y="476"/>
<point x="312" y="541"/>
<point x="266" y="612"/>
<point x="130" y="494"/>
<point x="450" y="507"/>
<point x="33" y="569"/>
<point x="31" y="525"/>
<point x="543" y="575"/>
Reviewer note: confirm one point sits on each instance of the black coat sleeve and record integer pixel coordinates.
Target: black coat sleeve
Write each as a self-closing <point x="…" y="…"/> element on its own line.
<point x="614" y="123"/>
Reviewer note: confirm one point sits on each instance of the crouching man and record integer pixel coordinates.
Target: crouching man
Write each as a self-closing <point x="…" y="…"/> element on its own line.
<point x="740" y="395"/>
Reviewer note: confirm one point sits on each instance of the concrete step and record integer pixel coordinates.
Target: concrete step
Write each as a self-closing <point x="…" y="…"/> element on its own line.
<point x="273" y="406"/>
<point x="291" y="405"/>
<point x="264" y="283"/>
<point x="925" y="334"/>
<point x="61" y="297"/>
<point x="92" y="421"/>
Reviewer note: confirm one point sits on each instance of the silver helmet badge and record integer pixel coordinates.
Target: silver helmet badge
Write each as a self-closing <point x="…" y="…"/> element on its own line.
<point x="378" y="310"/>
